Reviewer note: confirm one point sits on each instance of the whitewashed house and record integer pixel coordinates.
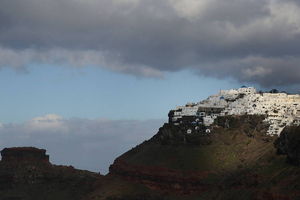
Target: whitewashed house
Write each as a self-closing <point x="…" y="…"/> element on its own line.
<point x="281" y="109"/>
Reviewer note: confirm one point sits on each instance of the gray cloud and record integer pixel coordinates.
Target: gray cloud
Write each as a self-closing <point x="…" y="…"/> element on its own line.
<point x="251" y="41"/>
<point x="85" y="144"/>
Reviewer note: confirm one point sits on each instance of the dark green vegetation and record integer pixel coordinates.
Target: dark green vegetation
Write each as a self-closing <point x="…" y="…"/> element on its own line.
<point x="235" y="161"/>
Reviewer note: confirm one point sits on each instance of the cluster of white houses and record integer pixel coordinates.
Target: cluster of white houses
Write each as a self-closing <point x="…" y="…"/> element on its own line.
<point x="280" y="109"/>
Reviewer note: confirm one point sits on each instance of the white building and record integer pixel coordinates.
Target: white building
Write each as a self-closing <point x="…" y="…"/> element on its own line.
<point x="281" y="109"/>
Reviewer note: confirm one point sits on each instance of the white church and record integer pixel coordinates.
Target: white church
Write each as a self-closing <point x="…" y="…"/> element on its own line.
<point x="281" y="109"/>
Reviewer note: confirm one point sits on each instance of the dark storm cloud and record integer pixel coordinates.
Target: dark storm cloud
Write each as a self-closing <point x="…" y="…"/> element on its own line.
<point x="248" y="40"/>
<point x="83" y="143"/>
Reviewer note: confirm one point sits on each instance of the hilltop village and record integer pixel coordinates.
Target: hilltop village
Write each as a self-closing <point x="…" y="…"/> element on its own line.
<point x="280" y="109"/>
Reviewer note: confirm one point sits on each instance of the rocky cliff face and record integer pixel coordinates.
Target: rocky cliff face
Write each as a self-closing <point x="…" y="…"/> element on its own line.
<point x="237" y="160"/>
<point x="289" y="144"/>
<point x="185" y="163"/>
<point x="24" y="154"/>
<point x="161" y="178"/>
<point x="27" y="174"/>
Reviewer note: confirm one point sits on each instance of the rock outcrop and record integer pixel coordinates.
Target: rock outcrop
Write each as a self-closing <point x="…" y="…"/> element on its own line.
<point x="176" y="161"/>
<point x="236" y="160"/>
<point x="24" y="154"/>
<point x="289" y="144"/>
<point x="27" y="174"/>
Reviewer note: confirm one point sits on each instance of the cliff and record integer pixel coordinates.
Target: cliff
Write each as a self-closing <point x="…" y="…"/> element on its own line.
<point x="236" y="160"/>
<point x="27" y="174"/>
<point x="24" y="154"/>
<point x="289" y="144"/>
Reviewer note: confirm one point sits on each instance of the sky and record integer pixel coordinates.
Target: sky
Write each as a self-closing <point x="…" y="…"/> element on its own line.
<point x="90" y="79"/>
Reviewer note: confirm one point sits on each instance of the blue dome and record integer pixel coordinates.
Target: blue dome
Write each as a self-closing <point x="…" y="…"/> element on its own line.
<point x="222" y="97"/>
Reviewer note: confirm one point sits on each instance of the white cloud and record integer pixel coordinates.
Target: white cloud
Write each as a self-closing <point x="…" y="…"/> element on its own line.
<point x="83" y="143"/>
<point x="48" y="123"/>
<point x="191" y="9"/>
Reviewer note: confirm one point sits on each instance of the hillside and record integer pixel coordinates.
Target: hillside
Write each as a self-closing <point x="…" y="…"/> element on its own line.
<point x="237" y="160"/>
<point x="27" y="174"/>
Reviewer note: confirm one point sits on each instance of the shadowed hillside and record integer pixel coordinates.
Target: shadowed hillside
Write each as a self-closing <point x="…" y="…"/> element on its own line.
<point x="234" y="160"/>
<point x="27" y="174"/>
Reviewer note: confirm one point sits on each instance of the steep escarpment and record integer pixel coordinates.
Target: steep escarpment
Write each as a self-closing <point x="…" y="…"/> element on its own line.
<point x="24" y="154"/>
<point x="27" y="174"/>
<point x="289" y="144"/>
<point x="187" y="162"/>
<point x="235" y="160"/>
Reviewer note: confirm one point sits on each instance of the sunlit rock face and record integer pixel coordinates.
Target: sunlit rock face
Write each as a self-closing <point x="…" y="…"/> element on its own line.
<point x="279" y="109"/>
